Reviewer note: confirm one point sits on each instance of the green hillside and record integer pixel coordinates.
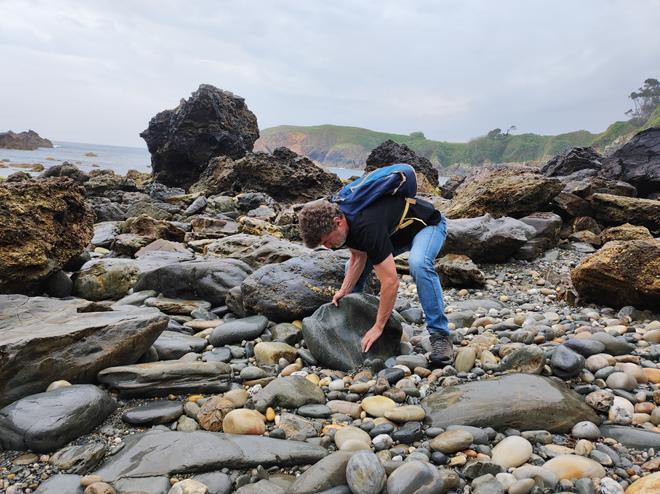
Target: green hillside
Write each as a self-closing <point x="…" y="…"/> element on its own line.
<point x="335" y="145"/>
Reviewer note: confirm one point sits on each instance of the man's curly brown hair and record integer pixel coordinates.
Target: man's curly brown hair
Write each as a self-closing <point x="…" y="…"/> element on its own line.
<point x="315" y="220"/>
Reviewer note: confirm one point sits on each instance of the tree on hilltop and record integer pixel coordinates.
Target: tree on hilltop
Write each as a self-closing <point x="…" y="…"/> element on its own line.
<point x="646" y="99"/>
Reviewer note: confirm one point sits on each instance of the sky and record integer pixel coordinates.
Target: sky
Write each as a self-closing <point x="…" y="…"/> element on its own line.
<point x="97" y="71"/>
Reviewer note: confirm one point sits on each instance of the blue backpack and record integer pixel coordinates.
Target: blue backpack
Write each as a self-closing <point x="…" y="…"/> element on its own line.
<point x="395" y="180"/>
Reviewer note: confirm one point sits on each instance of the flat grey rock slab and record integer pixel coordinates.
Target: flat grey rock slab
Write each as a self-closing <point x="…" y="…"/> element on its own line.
<point x="172" y="345"/>
<point x="334" y="334"/>
<point x="632" y="437"/>
<point x="47" y="421"/>
<point x="61" y="484"/>
<point x="146" y="485"/>
<point x="157" y="453"/>
<point x="58" y="342"/>
<point x="247" y="328"/>
<point x="170" y="376"/>
<point x="519" y="401"/>
<point x="157" y="412"/>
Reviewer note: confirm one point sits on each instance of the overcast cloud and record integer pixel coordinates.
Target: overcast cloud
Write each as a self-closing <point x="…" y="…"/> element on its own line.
<point x="97" y="71"/>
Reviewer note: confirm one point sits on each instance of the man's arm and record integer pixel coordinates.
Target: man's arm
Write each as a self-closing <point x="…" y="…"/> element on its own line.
<point x="356" y="264"/>
<point x="389" y="284"/>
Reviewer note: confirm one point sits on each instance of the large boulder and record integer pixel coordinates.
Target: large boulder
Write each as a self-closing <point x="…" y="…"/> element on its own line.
<point x="503" y="191"/>
<point x="390" y="152"/>
<point x="333" y="334"/>
<point x="571" y="161"/>
<point x="204" y="278"/>
<point x="295" y="288"/>
<point x="157" y="453"/>
<point x="256" y="251"/>
<point x="518" y="401"/>
<point x="283" y="175"/>
<point x="43" y="224"/>
<point x="43" y="340"/>
<point x="617" y="210"/>
<point x="583" y="183"/>
<point x="212" y="122"/>
<point x="47" y="421"/>
<point x="112" y="278"/>
<point x="637" y="162"/>
<point x="485" y="239"/>
<point x="620" y="274"/>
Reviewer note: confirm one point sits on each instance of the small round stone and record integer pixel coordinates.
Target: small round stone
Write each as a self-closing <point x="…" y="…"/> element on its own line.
<point x="244" y="421"/>
<point x="365" y="474"/>
<point x="376" y="406"/>
<point x="512" y="451"/>
<point x="452" y="441"/>
<point x="585" y="430"/>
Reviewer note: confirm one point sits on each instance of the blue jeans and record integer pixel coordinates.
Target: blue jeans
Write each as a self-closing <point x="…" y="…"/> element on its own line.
<point x="423" y="251"/>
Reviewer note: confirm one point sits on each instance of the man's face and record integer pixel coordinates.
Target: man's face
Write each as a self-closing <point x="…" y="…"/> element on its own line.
<point x="337" y="237"/>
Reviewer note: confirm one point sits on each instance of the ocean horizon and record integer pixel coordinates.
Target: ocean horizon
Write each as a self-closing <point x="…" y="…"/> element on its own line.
<point x="88" y="157"/>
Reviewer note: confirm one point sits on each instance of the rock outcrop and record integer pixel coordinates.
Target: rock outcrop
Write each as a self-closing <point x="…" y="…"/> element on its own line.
<point x="637" y="162"/>
<point x="283" y="175"/>
<point x="43" y="224"/>
<point x="571" y="161"/>
<point x="60" y="341"/>
<point x="390" y="152"/>
<point x="621" y="273"/>
<point x="503" y="191"/>
<point x="211" y="123"/>
<point x="617" y="210"/>
<point x="29" y="140"/>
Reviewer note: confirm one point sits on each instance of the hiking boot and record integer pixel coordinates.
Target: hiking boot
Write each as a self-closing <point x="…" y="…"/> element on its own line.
<point x="442" y="350"/>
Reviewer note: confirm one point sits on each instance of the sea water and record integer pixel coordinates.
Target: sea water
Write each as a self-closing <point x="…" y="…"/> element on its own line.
<point x="88" y="157"/>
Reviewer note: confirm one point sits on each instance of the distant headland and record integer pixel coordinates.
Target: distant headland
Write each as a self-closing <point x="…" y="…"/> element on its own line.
<point x="29" y="140"/>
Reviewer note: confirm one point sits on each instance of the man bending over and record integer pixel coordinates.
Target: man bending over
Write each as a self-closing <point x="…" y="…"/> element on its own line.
<point x="375" y="236"/>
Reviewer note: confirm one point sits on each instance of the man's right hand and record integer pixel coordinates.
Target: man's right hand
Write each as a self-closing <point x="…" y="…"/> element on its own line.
<point x="338" y="296"/>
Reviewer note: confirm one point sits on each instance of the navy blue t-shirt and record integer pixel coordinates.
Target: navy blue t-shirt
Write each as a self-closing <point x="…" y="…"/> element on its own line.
<point x="371" y="230"/>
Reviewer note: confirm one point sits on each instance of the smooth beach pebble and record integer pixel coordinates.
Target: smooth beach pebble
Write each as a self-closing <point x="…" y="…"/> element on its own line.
<point x="376" y="406"/>
<point x="512" y="451"/>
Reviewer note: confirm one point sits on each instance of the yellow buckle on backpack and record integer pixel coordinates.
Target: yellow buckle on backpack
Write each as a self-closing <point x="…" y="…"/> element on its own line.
<point x="404" y="222"/>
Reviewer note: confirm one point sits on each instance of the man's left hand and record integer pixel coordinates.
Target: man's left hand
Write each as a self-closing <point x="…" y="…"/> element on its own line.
<point x="370" y="338"/>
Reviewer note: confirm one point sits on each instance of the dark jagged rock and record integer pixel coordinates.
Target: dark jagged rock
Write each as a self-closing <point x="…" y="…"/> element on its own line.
<point x="28" y="140"/>
<point x="283" y="175"/>
<point x="620" y="274"/>
<point x="160" y="453"/>
<point x="43" y="224"/>
<point x="637" y="162"/>
<point x="333" y="334"/>
<point x="47" y="421"/>
<point x="107" y="182"/>
<point x="65" y="169"/>
<point x="211" y="123"/>
<point x="571" y="161"/>
<point x="390" y="152"/>
<point x="503" y="191"/>
<point x="449" y="187"/>
<point x="295" y="288"/>
<point x="61" y="342"/>
<point x="519" y="401"/>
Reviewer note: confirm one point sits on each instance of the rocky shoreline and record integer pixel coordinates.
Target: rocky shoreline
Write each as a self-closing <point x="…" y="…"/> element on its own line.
<point x="177" y="337"/>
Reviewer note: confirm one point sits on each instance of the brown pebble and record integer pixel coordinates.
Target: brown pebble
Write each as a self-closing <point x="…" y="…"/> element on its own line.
<point x="100" y="488"/>
<point x="422" y="372"/>
<point x="88" y="480"/>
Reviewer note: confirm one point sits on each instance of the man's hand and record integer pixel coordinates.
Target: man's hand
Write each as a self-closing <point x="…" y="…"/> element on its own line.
<point x="370" y="338"/>
<point x="339" y="294"/>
